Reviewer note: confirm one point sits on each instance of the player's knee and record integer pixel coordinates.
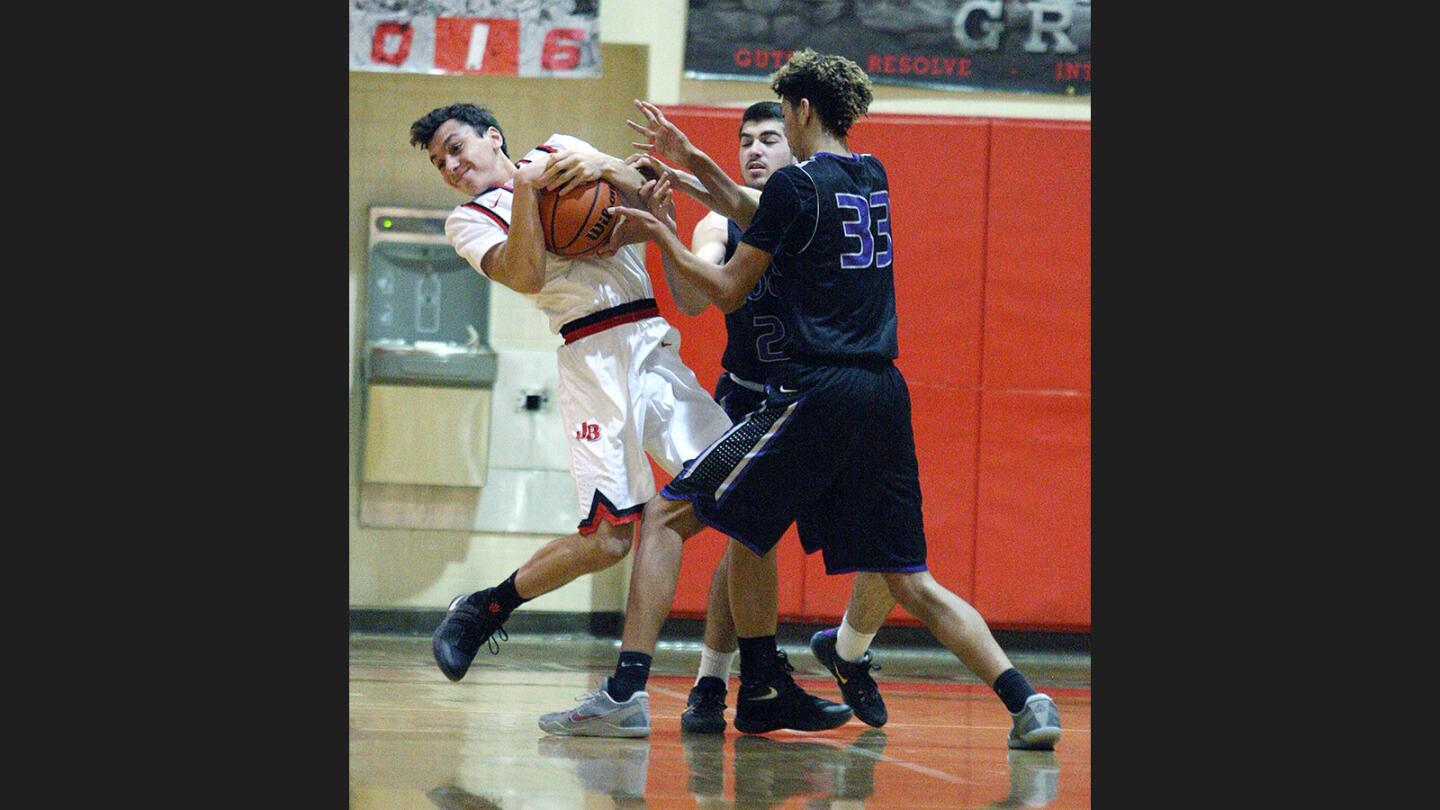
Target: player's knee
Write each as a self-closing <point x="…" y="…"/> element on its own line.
<point x="609" y="544"/>
<point x="909" y="590"/>
<point x="677" y="516"/>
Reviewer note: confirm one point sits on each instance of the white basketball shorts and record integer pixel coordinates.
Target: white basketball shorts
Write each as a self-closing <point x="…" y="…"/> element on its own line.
<point x="624" y="392"/>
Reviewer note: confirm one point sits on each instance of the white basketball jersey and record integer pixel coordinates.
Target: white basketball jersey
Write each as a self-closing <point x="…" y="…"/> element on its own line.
<point x="574" y="287"/>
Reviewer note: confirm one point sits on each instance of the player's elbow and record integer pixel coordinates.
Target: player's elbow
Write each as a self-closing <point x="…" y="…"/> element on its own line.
<point x="528" y="277"/>
<point x="527" y="286"/>
<point x="729" y="300"/>
<point x="692" y="308"/>
<point x="523" y="282"/>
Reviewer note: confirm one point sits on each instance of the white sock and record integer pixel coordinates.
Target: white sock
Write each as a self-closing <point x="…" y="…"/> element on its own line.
<point x="851" y="644"/>
<point x="714" y="663"/>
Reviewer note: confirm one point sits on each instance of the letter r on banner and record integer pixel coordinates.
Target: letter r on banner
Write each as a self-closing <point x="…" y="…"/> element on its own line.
<point x="477" y="45"/>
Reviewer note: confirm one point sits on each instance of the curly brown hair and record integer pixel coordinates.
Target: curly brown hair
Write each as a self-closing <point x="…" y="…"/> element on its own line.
<point x="837" y="88"/>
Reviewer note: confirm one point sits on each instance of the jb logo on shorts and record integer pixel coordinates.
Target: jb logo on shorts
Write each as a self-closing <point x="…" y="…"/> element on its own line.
<point x="588" y="431"/>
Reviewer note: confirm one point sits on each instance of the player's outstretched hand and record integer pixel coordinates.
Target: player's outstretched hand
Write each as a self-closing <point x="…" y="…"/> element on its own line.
<point x="659" y="199"/>
<point x="663" y="137"/>
<point x="568" y="169"/>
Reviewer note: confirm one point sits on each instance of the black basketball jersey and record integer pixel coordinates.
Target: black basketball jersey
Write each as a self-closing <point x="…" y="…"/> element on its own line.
<point x="732" y="238"/>
<point x="826" y="222"/>
<point x="754" y="331"/>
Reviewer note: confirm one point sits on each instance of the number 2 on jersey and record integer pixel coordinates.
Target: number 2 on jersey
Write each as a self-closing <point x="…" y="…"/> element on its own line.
<point x="769" y="337"/>
<point x="876" y="210"/>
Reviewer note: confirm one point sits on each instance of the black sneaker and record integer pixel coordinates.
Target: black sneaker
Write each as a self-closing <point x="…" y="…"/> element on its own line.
<point x="462" y="631"/>
<point x="854" y="679"/>
<point x="705" y="713"/>
<point x="781" y="703"/>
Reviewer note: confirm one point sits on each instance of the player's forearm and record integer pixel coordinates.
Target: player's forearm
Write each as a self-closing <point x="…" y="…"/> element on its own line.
<point x="708" y="279"/>
<point x="690" y="299"/>
<point x="691" y="185"/>
<point x="726" y="197"/>
<point x="626" y="179"/>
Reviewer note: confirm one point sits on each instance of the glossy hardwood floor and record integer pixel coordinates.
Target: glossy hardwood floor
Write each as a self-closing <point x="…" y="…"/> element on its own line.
<point x="420" y="741"/>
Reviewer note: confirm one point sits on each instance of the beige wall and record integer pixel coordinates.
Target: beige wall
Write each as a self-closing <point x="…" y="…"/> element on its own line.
<point x="642" y="58"/>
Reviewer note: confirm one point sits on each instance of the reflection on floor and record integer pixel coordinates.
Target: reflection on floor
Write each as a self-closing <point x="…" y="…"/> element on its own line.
<point x="418" y="740"/>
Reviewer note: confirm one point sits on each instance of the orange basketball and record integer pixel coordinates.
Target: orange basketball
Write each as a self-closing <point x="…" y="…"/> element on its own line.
<point x="576" y="223"/>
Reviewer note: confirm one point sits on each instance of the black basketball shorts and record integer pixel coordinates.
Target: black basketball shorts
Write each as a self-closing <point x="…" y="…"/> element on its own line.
<point x="831" y="447"/>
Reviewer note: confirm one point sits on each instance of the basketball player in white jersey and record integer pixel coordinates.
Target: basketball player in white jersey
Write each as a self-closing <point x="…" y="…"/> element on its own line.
<point x="623" y="390"/>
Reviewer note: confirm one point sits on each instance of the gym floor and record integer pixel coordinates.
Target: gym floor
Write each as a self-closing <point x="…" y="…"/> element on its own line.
<point x="417" y="740"/>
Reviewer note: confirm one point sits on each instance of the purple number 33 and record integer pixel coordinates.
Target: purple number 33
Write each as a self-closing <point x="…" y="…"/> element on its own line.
<point x="859" y="228"/>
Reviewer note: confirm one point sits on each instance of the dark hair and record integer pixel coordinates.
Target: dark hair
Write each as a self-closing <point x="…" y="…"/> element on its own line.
<point x="837" y="88"/>
<point x="762" y="111"/>
<point x="479" y="118"/>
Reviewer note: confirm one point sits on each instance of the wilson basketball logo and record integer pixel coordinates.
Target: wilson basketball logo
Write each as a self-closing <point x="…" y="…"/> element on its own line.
<point x="602" y="224"/>
<point x="589" y="432"/>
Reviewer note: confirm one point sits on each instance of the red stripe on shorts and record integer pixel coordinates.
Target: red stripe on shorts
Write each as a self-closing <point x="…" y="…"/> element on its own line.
<point x="601" y="326"/>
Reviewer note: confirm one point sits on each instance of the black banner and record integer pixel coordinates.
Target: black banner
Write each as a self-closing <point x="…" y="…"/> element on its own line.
<point x="1014" y="46"/>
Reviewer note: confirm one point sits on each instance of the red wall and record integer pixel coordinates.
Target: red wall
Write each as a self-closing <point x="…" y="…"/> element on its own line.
<point x="991" y="221"/>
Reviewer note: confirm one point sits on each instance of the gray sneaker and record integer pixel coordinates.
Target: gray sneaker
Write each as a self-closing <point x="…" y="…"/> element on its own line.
<point x="598" y="715"/>
<point x="1037" y="726"/>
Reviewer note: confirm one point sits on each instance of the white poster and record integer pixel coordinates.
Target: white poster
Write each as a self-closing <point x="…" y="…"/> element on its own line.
<point x="464" y="37"/>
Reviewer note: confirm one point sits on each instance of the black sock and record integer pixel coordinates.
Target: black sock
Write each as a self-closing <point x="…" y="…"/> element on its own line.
<point x="757" y="660"/>
<point x="503" y="594"/>
<point x="630" y="676"/>
<point x="1012" y="688"/>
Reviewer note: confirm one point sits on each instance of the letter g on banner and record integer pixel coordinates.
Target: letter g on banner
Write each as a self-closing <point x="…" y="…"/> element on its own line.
<point x="989" y="25"/>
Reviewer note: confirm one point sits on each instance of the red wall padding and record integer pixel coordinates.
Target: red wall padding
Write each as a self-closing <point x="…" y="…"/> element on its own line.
<point x="1032" y="550"/>
<point x="992" y="257"/>
<point x="1032" y="558"/>
<point x="1037" y="274"/>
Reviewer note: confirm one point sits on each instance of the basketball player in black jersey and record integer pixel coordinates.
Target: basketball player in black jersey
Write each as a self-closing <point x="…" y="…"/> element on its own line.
<point x="833" y="440"/>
